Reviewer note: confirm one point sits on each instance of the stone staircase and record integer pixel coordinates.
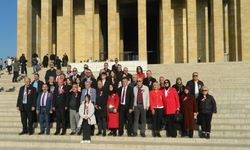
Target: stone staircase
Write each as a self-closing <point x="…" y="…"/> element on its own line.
<point x="229" y="83"/>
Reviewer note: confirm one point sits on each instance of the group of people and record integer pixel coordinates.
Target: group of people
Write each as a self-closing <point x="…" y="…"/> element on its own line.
<point x="113" y="101"/>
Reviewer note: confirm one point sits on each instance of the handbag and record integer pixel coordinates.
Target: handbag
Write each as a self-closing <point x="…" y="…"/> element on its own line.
<point x="111" y="108"/>
<point x="178" y="117"/>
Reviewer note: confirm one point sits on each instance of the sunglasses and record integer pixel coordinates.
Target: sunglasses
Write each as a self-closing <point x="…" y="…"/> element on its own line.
<point x="139" y="81"/>
<point x="195" y="75"/>
<point x="204" y="90"/>
<point x="166" y="82"/>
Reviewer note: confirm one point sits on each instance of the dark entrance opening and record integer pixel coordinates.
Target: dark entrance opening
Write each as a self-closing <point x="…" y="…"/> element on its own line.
<point x="104" y="30"/>
<point x="153" y="36"/>
<point x="129" y="29"/>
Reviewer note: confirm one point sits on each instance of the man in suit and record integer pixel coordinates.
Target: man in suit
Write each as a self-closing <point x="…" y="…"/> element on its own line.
<point x="74" y="75"/>
<point x="44" y="109"/>
<point x="88" y="90"/>
<point x="115" y="66"/>
<point x="60" y="105"/>
<point x="125" y="109"/>
<point x="195" y="85"/>
<point x="128" y="75"/>
<point x="88" y="77"/>
<point x="141" y="105"/>
<point x="106" y="69"/>
<point x="37" y="83"/>
<point x="26" y="103"/>
<point x="50" y="72"/>
<point x="149" y="80"/>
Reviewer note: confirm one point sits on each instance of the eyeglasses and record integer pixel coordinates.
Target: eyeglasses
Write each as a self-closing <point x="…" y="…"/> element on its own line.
<point x="195" y="75"/>
<point x="204" y="90"/>
<point x="166" y="82"/>
<point x="139" y="81"/>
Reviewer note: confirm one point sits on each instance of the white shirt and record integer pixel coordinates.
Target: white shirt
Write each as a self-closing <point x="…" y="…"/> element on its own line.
<point x="45" y="99"/>
<point x="196" y="89"/>
<point x="124" y="88"/>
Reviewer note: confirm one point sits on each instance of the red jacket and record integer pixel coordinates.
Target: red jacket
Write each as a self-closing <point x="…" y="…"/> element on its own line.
<point x="156" y="99"/>
<point x="113" y="118"/>
<point x="171" y="101"/>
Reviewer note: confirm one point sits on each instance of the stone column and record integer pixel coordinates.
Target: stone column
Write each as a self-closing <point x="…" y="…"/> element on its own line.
<point x="89" y="29"/>
<point x="166" y="50"/>
<point x="142" y="29"/>
<point x="24" y="28"/>
<point x="46" y="27"/>
<point x="192" y="31"/>
<point x="96" y="33"/>
<point x="68" y="30"/>
<point x="245" y="29"/>
<point x="113" y="25"/>
<point x="217" y="25"/>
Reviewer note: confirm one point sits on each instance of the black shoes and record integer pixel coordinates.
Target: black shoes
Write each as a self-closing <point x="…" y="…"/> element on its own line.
<point x="207" y="136"/>
<point x="23" y="132"/>
<point x="56" y="133"/>
<point x="143" y="135"/>
<point x="72" y="133"/>
<point x="99" y="133"/>
<point x="40" y="133"/>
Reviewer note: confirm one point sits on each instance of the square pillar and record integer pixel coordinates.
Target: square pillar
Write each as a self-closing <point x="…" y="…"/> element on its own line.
<point x="192" y="31"/>
<point x="142" y="29"/>
<point x="89" y="28"/>
<point x="166" y="48"/>
<point x="97" y="34"/>
<point x="113" y="26"/>
<point x="24" y="28"/>
<point x="46" y="27"/>
<point x="68" y="30"/>
<point x="217" y="26"/>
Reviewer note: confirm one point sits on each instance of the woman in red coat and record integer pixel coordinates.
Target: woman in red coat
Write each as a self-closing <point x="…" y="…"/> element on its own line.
<point x="156" y="107"/>
<point x="171" y="105"/>
<point x="189" y="111"/>
<point x="113" y="115"/>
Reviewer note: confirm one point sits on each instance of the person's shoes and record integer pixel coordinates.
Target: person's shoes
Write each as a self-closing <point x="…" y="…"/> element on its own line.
<point x="114" y="134"/>
<point x="104" y="134"/>
<point x="143" y="135"/>
<point x="63" y="133"/>
<point x="203" y="135"/>
<point x="40" y="133"/>
<point x="110" y="133"/>
<point x="1" y="89"/>
<point x="135" y="134"/>
<point x="88" y="141"/>
<point x="120" y="134"/>
<point x="47" y="133"/>
<point x="158" y="134"/>
<point x="31" y="133"/>
<point x="153" y="134"/>
<point x="22" y="133"/>
<point x="56" y="133"/>
<point x="207" y="136"/>
<point x="82" y="142"/>
<point x="72" y="133"/>
<point x="99" y="133"/>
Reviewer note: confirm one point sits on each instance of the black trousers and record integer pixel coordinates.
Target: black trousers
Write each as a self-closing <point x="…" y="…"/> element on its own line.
<point x="86" y="130"/>
<point x="23" y="70"/>
<point x="157" y="119"/>
<point x="171" y="126"/>
<point x="102" y="124"/>
<point x="15" y="76"/>
<point x="125" y="118"/>
<point x="60" y="120"/>
<point x="9" y="68"/>
<point x="206" y="122"/>
<point x="27" y="116"/>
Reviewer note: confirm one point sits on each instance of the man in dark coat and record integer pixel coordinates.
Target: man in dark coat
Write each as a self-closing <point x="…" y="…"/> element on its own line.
<point x="149" y="80"/>
<point x="65" y="60"/>
<point x="195" y="85"/>
<point x="50" y="72"/>
<point x="74" y="75"/>
<point x="126" y="96"/>
<point x="45" y="61"/>
<point x="23" y="63"/>
<point x="60" y="105"/>
<point x="37" y="83"/>
<point x="26" y="103"/>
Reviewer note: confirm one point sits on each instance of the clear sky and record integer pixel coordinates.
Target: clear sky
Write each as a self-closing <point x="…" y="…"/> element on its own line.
<point x="8" y="19"/>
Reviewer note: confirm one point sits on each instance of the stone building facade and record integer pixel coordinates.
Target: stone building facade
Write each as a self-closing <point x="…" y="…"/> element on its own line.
<point x="159" y="31"/>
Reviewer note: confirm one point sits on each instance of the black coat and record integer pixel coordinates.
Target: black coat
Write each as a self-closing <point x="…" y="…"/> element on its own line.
<point x="60" y="101"/>
<point x="39" y="87"/>
<point x="74" y="79"/>
<point x="78" y="99"/>
<point x="45" y="60"/>
<point x="101" y="101"/>
<point x="129" y="101"/>
<point x="93" y="85"/>
<point x="31" y="98"/>
<point x="206" y="105"/>
<point x="179" y="89"/>
<point x="149" y="82"/>
<point x="50" y="73"/>
<point x="191" y="85"/>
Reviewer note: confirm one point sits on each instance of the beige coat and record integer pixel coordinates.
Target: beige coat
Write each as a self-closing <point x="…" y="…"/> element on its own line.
<point x="145" y="96"/>
<point x="90" y="116"/>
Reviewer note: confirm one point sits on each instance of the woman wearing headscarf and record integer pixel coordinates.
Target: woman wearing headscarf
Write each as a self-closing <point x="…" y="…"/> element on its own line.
<point x="179" y="86"/>
<point x="112" y="111"/>
<point x="189" y="111"/>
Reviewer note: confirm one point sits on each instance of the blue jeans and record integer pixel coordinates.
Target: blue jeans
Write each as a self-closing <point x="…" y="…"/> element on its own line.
<point x="44" y="120"/>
